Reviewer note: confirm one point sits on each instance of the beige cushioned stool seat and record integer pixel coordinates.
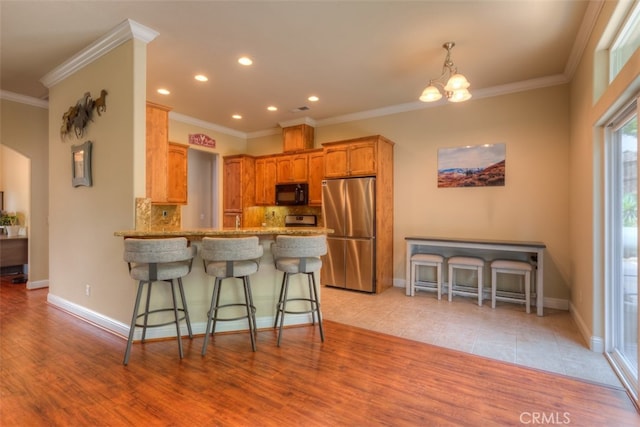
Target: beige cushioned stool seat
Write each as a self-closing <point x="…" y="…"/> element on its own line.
<point x="228" y="258"/>
<point x="158" y="260"/>
<point x="427" y="260"/>
<point x="521" y="268"/>
<point x="468" y="263"/>
<point x="298" y="255"/>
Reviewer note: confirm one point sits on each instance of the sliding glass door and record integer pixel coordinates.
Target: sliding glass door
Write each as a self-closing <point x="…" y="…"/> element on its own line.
<point x="622" y="246"/>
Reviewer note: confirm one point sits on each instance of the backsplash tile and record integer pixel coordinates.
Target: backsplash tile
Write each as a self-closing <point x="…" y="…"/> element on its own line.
<point x="157" y="217"/>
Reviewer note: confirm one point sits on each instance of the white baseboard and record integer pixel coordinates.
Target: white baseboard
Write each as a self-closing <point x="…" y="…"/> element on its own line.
<point x="555" y="303"/>
<point x="596" y="344"/>
<point x="165" y="331"/>
<point x="88" y="315"/>
<point x="39" y="284"/>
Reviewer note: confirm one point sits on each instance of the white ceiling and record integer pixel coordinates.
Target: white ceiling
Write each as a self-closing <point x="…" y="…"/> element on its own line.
<point x="357" y="56"/>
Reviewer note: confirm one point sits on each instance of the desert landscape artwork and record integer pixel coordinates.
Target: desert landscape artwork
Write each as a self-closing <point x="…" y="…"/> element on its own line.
<point x="472" y="166"/>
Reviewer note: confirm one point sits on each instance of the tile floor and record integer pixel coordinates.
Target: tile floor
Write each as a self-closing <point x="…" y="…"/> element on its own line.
<point x="551" y="343"/>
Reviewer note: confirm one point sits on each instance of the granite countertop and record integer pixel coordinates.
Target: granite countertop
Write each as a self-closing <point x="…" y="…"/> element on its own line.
<point x="199" y="233"/>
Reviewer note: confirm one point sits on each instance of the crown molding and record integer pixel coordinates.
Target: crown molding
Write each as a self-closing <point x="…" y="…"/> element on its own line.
<point x="299" y="121"/>
<point x="206" y="125"/>
<point x="266" y="132"/>
<point x="123" y="32"/>
<point x="542" y="82"/>
<point x="580" y="43"/>
<point x="23" y="99"/>
<point x="525" y="85"/>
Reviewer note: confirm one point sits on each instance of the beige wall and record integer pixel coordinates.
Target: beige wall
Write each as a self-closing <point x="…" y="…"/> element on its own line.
<point x="24" y="129"/>
<point x="83" y="250"/>
<point x="533" y="204"/>
<point x="590" y="110"/>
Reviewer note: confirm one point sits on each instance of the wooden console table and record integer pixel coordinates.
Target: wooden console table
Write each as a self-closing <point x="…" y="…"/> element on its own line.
<point x="488" y="249"/>
<point x="13" y="250"/>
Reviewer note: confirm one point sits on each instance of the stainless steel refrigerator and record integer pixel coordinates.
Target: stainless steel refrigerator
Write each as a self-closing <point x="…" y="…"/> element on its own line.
<point x="349" y="208"/>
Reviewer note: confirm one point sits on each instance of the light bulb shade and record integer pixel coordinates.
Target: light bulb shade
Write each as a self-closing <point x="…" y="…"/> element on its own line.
<point x="430" y="94"/>
<point x="460" y="95"/>
<point x="456" y="82"/>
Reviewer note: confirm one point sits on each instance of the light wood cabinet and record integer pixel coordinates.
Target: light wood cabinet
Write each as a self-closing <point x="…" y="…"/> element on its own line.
<point x="292" y="168"/>
<point x="229" y="219"/>
<point x="316" y="175"/>
<point x="299" y="137"/>
<point x="177" y="173"/>
<point x="345" y="159"/>
<point x="239" y="182"/>
<point x="166" y="164"/>
<point x="266" y="181"/>
<point x="369" y="156"/>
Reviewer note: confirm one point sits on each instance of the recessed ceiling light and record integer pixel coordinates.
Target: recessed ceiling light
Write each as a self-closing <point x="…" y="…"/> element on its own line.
<point x="245" y="60"/>
<point x="201" y="78"/>
<point x="313" y="98"/>
<point x="272" y="108"/>
<point x="237" y="116"/>
<point x="163" y="91"/>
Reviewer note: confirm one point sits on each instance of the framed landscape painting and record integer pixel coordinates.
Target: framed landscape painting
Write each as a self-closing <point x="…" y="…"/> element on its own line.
<point x="472" y="166"/>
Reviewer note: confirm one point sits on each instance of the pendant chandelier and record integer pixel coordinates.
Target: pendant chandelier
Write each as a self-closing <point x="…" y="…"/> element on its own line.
<point x="450" y="83"/>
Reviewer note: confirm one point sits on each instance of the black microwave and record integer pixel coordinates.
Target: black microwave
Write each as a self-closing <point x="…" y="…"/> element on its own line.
<point x="292" y="194"/>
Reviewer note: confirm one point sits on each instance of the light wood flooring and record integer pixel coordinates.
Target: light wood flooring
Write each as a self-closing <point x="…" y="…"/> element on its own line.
<point x="57" y="370"/>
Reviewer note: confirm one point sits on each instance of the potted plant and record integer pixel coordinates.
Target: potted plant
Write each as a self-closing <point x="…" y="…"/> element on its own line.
<point x="9" y="220"/>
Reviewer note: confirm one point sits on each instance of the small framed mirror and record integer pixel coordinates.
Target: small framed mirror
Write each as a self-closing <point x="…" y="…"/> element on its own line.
<point x="81" y="164"/>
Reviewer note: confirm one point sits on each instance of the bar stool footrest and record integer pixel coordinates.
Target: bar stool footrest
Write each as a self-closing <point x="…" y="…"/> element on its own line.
<point x="160" y="310"/>
<point x="228" y="319"/>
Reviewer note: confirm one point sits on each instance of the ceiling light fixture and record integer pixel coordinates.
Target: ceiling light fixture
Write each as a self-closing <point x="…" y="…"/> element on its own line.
<point x="245" y="60"/>
<point x="313" y="98"/>
<point x="455" y="88"/>
<point x="237" y="116"/>
<point x="201" y="78"/>
<point x="272" y="108"/>
<point x="163" y="91"/>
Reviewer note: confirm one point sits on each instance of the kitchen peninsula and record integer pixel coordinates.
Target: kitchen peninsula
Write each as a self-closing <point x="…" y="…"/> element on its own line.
<point x="198" y="286"/>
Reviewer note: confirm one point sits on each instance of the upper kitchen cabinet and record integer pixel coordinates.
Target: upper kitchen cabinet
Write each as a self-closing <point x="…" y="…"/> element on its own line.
<point x="299" y="137"/>
<point x="166" y="170"/>
<point x="316" y="175"/>
<point x="292" y="168"/>
<point x="357" y="157"/>
<point x="266" y="181"/>
<point x="238" y="188"/>
<point x="177" y="173"/>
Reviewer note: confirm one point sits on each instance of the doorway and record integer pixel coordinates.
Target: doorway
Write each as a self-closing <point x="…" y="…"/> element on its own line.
<point x="202" y="208"/>
<point x="622" y="284"/>
<point x="15" y="186"/>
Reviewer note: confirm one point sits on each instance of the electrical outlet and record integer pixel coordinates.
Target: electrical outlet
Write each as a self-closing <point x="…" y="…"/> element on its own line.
<point x="87" y="290"/>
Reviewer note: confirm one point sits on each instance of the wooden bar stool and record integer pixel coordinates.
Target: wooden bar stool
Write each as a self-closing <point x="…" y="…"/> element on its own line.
<point x="226" y="258"/>
<point x="520" y="268"/>
<point x="426" y="260"/>
<point x="466" y="263"/>
<point x="158" y="260"/>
